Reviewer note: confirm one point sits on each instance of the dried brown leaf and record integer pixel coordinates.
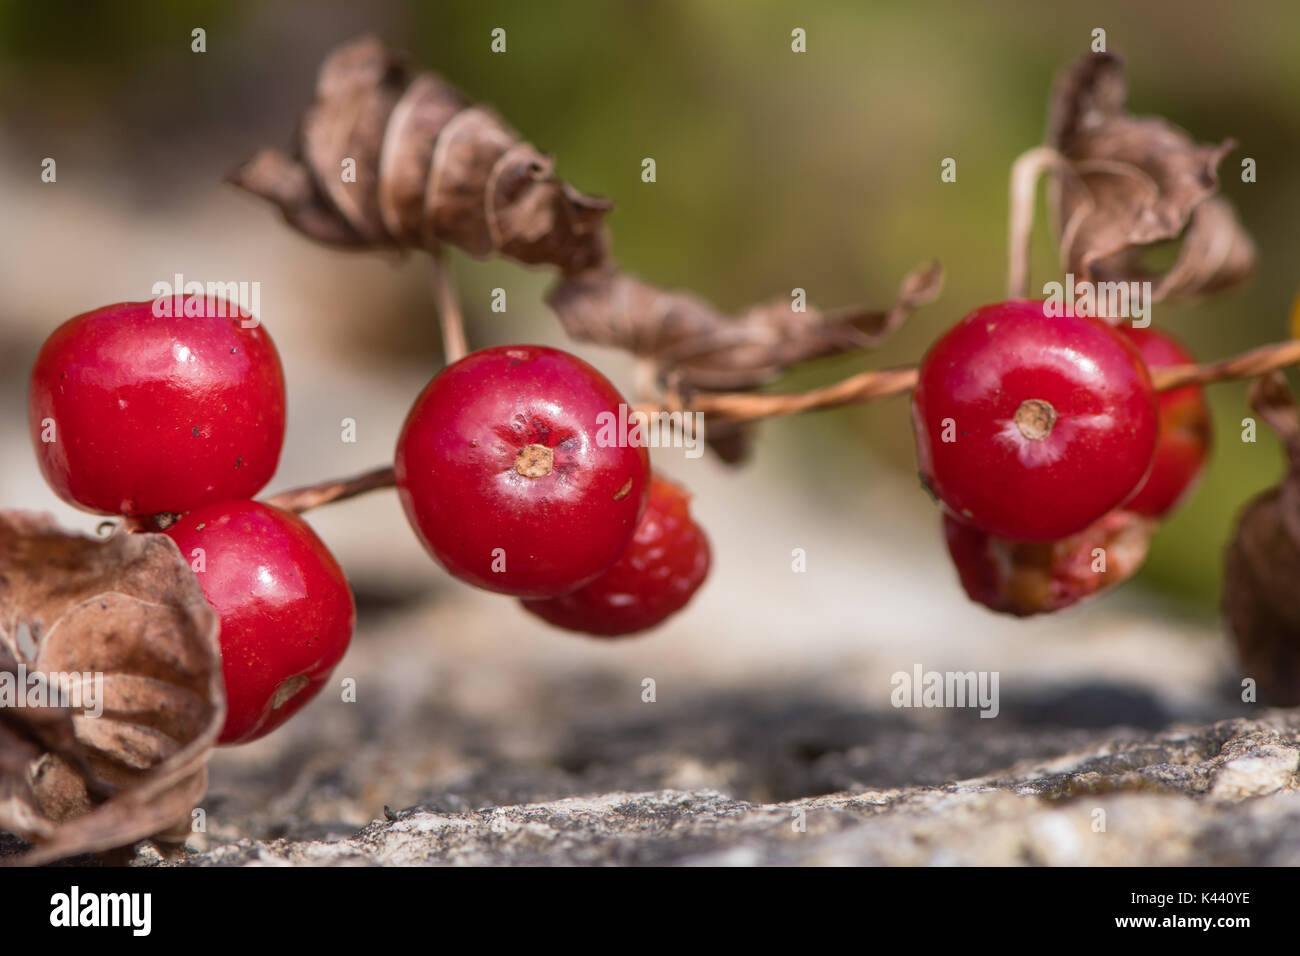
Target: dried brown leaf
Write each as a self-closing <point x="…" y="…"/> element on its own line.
<point x="430" y="167"/>
<point x="694" y="346"/>
<point x="1216" y="254"/>
<point x="1260" y="598"/>
<point x="1134" y="181"/>
<point x="128" y="608"/>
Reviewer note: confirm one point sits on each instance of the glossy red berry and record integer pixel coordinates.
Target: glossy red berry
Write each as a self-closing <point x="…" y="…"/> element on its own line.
<point x="511" y="471"/>
<point x="1031" y="427"/>
<point x="659" y="572"/>
<point x="138" y="414"/>
<point x="286" y="609"/>
<point x="1185" y="429"/>
<point x="1024" y="578"/>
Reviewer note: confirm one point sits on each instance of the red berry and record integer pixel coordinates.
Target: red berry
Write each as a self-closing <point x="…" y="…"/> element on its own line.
<point x="153" y="414"/>
<point x="1024" y="578"/>
<point x="509" y="475"/>
<point x="1032" y="427"/>
<point x="659" y="572"/>
<point x="1184" y="429"/>
<point x="286" y="609"/>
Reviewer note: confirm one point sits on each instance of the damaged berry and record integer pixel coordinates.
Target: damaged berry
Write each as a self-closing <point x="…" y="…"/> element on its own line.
<point x="1026" y="578"/>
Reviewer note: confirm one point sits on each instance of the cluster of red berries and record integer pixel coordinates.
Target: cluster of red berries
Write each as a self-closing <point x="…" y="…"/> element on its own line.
<point x="178" y="413"/>
<point x="505" y="478"/>
<point x="1047" y="446"/>
<point x="1042" y="437"/>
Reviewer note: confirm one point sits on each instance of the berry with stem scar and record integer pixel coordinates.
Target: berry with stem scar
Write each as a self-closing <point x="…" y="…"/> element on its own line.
<point x="1032" y="427"/>
<point x="505" y="477"/>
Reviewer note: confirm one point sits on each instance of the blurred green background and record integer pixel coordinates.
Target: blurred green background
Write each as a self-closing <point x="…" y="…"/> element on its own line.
<point x="775" y="170"/>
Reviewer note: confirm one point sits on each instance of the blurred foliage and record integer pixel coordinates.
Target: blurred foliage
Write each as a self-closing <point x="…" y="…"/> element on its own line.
<point x="775" y="170"/>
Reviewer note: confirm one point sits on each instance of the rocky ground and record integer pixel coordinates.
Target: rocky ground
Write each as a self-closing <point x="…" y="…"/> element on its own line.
<point x="509" y="744"/>
<point x="1223" y="793"/>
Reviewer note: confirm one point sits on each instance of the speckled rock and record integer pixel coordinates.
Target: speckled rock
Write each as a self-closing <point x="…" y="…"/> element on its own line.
<point x="1225" y="793"/>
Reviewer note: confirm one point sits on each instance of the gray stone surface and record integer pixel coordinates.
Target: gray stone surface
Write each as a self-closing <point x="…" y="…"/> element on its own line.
<point x="1224" y="793"/>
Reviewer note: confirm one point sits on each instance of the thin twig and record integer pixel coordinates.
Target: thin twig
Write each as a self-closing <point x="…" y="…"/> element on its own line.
<point x="1250" y="364"/>
<point x="865" y="386"/>
<point x="749" y="406"/>
<point x="313" y="496"/>
<point x="454" y="344"/>
<point x="1025" y="173"/>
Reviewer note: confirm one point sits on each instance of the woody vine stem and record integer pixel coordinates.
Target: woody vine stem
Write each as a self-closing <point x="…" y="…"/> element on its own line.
<point x="1026" y="173"/>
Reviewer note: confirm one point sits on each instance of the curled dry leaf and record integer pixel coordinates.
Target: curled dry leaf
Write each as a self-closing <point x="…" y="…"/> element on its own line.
<point x="123" y="756"/>
<point x="1131" y="181"/>
<point x="1260" y="598"/>
<point x="430" y="167"/>
<point x="695" y="347"/>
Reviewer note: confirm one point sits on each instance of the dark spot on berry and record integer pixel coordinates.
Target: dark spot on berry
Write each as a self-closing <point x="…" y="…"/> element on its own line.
<point x="925" y="484"/>
<point x="239" y="462"/>
<point x="195" y="431"/>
